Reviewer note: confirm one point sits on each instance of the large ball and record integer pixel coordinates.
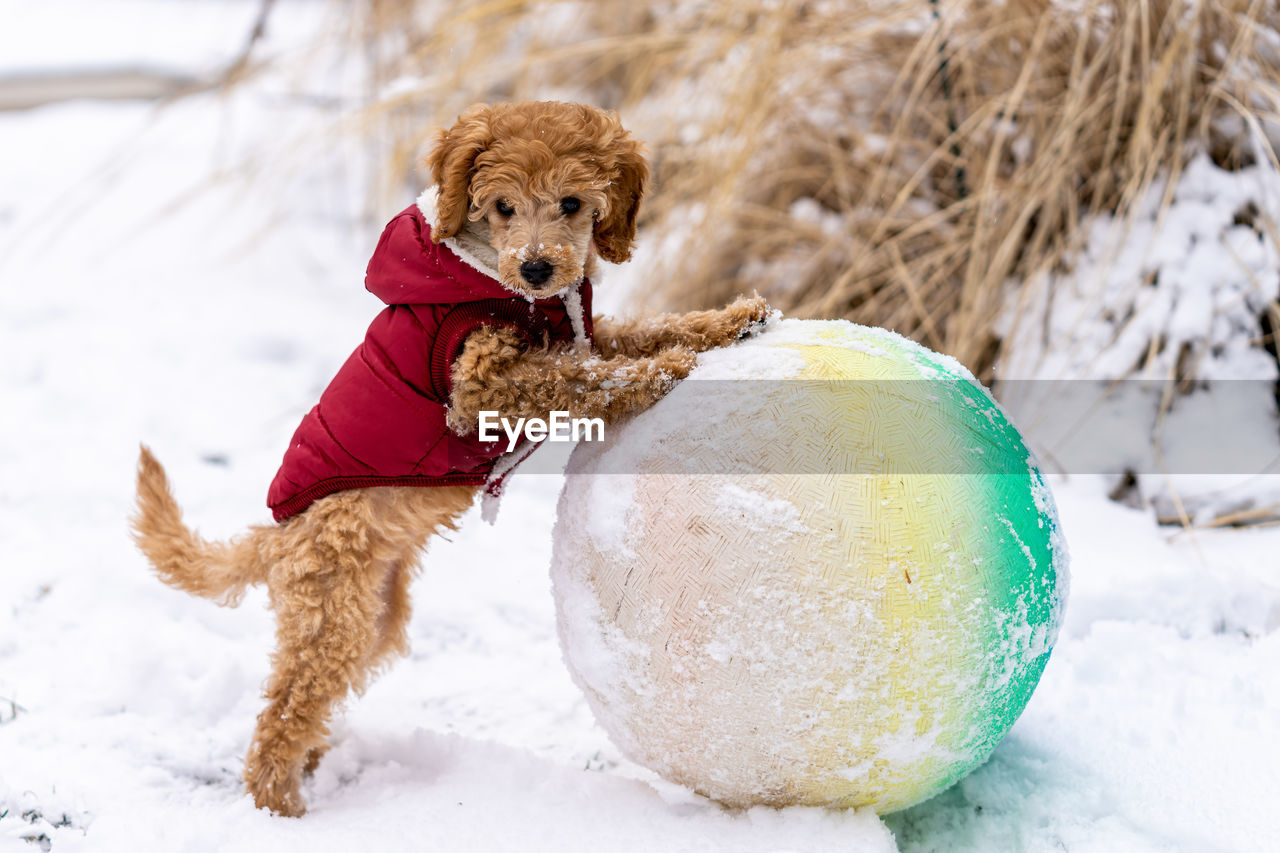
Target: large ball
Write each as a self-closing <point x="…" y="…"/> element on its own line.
<point x="834" y="584"/>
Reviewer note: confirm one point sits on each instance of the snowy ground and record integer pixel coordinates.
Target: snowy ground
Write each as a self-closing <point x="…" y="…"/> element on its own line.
<point x="149" y="291"/>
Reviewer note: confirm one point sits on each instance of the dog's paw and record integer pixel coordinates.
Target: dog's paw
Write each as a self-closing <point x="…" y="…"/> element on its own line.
<point x="458" y="423"/>
<point x="275" y="784"/>
<point x="674" y="364"/>
<point x="748" y="315"/>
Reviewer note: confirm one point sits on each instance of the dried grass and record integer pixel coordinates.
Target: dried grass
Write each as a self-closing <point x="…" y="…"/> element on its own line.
<point x="895" y="163"/>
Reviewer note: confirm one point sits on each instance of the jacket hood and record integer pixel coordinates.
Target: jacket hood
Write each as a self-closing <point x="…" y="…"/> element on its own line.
<point x="407" y="267"/>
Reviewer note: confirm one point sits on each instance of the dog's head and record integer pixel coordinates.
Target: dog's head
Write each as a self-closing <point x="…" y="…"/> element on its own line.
<point x="543" y="182"/>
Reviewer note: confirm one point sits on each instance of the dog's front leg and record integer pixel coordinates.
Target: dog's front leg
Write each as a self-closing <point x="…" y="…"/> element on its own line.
<point x="697" y="330"/>
<point x="496" y="373"/>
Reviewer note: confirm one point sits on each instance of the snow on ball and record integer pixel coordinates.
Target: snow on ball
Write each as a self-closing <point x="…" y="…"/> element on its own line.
<point x="836" y="584"/>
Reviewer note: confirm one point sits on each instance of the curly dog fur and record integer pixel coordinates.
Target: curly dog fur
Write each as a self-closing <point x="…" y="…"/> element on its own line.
<point x="339" y="573"/>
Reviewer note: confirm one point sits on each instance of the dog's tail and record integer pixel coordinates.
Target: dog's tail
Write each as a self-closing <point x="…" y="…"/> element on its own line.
<point x="218" y="570"/>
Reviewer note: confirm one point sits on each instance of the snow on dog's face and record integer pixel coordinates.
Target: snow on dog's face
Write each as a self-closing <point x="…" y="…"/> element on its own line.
<point x="543" y="240"/>
<point x="545" y="184"/>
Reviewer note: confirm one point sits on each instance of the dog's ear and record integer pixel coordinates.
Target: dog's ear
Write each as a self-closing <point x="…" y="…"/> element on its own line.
<point x="452" y="162"/>
<point x="615" y="232"/>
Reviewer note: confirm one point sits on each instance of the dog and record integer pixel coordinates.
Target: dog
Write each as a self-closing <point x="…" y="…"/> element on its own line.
<point x="487" y="280"/>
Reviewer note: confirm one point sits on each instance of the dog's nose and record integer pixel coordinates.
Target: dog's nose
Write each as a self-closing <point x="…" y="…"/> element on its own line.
<point x="536" y="272"/>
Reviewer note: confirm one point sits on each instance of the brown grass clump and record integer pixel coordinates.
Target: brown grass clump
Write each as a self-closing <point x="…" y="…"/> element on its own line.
<point x="895" y="163"/>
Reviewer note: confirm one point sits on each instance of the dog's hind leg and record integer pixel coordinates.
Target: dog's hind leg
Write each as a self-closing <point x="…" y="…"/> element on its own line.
<point x="327" y="600"/>
<point x="342" y="608"/>
<point x="390" y="636"/>
<point x="393" y="634"/>
<point x="409" y="518"/>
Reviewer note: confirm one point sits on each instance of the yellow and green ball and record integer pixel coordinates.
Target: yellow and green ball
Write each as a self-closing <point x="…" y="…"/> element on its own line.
<point x="825" y="570"/>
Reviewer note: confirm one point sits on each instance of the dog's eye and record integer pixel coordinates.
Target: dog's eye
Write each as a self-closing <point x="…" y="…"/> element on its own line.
<point x="569" y="206"/>
<point x="504" y="208"/>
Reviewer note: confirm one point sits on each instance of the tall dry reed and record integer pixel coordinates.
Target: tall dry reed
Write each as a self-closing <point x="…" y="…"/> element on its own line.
<point x="896" y="163"/>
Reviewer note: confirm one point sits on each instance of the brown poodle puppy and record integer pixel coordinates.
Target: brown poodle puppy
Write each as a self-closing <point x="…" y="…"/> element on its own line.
<point x="529" y="193"/>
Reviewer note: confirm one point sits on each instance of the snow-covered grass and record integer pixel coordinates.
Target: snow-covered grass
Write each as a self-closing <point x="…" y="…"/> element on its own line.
<point x="1179" y="299"/>
<point x="141" y="299"/>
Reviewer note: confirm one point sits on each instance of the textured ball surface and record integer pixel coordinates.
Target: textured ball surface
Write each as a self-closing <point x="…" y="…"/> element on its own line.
<point x="835" y="585"/>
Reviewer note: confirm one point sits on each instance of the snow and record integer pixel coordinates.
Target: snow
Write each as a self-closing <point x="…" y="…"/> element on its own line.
<point x="746" y="362"/>
<point x="608" y="512"/>
<point x="1169" y="292"/>
<point x="759" y="511"/>
<point x="153" y="289"/>
<point x="197" y="36"/>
